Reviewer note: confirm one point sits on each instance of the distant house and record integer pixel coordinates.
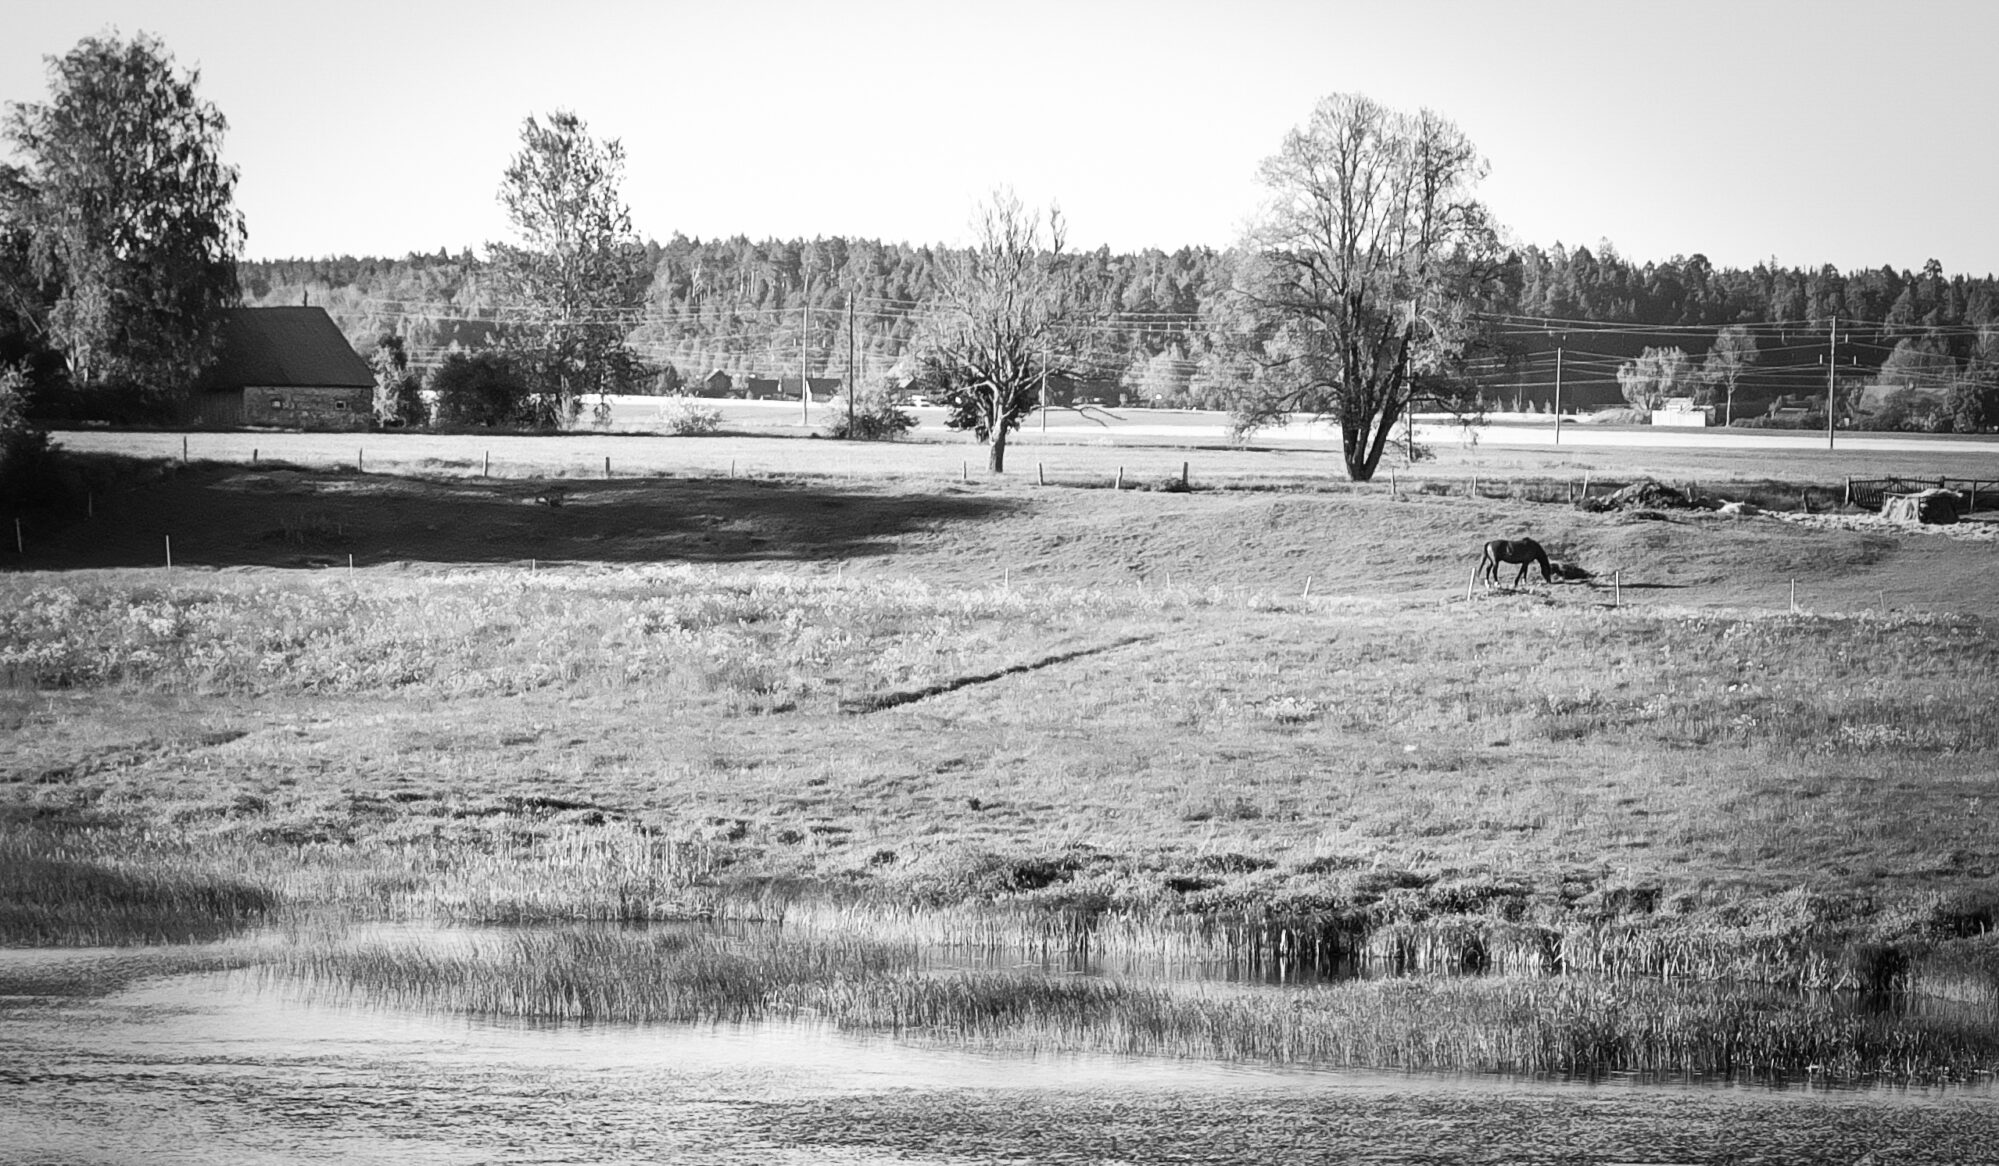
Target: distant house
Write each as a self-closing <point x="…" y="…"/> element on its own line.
<point x="1792" y="409"/>
<point x="823" y="388"/>
<point x="1875" y="397"/>
<point x="288" y="367"/>
<point x="718" y="384"/>
<point x="1683" y="412"/>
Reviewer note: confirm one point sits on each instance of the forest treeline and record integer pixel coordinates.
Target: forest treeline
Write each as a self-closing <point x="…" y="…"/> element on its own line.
<point x="750" y="308"/>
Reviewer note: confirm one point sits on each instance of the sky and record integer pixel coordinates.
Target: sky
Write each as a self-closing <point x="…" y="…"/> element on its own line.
<point x="1855" y="134"/>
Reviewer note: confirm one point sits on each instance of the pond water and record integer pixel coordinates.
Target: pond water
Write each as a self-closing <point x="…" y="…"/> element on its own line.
<point x="226" y="1068"/>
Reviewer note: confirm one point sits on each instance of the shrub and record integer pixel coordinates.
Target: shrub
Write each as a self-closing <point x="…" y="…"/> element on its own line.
<point x="687" y="417"/>
<point x="398" y="401"/>
<point x="479" y="388"/>
<point x="26" y="458"/>
<point x="877" y="416"/>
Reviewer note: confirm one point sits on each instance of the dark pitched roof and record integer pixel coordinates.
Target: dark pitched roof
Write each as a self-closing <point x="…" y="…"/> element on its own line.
<point x="274" y="347"/>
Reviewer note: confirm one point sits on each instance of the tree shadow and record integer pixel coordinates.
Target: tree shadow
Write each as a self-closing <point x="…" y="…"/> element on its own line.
<point x="219" y="516"/>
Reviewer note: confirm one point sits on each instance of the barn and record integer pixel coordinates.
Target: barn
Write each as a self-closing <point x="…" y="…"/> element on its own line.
<point x="288" y="367"/>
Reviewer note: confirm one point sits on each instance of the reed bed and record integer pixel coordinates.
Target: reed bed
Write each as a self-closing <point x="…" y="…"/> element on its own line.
<point x="52" y="895"/>
<point x="589" y="974"/>
<point x="1793" y="941"/>
<point x="1491" y="1024"/>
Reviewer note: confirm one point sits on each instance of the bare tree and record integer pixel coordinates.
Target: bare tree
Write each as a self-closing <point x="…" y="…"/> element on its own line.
<point x="996" y="328"/>
<point x="1353" y="289"/>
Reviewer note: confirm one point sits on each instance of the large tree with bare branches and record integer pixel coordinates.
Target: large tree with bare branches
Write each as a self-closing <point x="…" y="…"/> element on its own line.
<point x="1351" y="293"/>
<point x="996" y="327"/>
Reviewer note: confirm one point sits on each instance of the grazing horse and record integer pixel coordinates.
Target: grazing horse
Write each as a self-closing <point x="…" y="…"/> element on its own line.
<point x="1524" y="551"/>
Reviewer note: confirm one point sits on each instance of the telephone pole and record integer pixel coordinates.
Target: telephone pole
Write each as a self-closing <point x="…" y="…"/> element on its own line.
<point x="1831" y="371"/>
<point x="853" y="386"/>
<point x="1558" y="394"/>
<point x="804" y="372"/>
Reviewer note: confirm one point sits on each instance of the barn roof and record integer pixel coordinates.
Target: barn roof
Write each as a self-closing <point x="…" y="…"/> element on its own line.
<point x="285" y="347"/>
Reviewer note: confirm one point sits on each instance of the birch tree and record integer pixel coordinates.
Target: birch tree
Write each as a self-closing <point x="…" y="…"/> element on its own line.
<point x="129" y="214"/>
<point x="577" y="272"/>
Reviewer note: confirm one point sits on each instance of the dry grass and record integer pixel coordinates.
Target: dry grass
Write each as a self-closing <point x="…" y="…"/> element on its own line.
<point x="1129" y="740"/>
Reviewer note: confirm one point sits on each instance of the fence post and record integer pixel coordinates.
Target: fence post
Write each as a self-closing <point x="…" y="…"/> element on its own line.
<point x="1120" y="479"/>
<point x="1849" y="491"/>
<point x="1183" y="475"/>
<point x="1040" y="474"/>
<point x="486" y="471"/>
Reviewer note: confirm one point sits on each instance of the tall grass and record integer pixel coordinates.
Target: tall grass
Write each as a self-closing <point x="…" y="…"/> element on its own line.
<point x="52" y="895"/>
<point x="1794" y="941"/>
<point x="1506" y="1024"/>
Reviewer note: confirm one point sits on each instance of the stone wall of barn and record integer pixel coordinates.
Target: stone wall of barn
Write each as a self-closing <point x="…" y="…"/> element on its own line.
<point x="317" y="407"/>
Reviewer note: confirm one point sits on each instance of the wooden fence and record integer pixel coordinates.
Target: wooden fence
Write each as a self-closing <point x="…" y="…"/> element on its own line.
<point x="1868" y="493"/>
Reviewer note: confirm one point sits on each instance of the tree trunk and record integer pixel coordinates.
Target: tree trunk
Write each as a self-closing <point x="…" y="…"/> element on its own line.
<point x="1363" y="449"/>
<point x="996" y="462"/>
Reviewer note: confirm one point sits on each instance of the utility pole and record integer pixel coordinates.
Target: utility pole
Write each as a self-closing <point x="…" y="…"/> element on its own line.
<point x="853" y="386"/>
<point x="1831" y="371"/>
<point x="1558" y="394"/>
<point x="804" y="372"/>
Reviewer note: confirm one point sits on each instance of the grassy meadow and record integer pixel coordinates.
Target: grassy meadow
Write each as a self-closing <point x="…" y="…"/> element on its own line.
<point x="909" y="717"/>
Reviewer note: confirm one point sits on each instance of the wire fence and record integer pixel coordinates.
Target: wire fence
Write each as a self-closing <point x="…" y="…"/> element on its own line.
<point x="1872" y="493"/>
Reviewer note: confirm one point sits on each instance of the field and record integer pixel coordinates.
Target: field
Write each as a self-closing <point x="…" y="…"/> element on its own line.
<point x="1259" y="720"/>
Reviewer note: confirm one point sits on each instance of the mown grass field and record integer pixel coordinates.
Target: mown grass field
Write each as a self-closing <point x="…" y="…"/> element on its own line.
<point x="958" y="711"/>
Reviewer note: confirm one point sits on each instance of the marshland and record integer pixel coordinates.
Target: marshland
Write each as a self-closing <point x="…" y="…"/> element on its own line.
<point x="1235" y="782"/>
